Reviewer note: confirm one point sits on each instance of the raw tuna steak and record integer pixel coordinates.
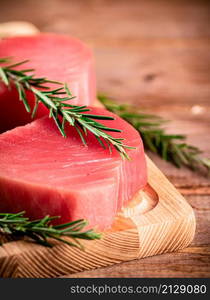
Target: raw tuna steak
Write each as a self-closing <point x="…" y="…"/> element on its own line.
<point x="55" y="57"/>
<point x="43" y="173"/>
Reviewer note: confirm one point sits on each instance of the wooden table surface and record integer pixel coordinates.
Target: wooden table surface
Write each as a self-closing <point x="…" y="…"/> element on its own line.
<point x="155" y="54"/>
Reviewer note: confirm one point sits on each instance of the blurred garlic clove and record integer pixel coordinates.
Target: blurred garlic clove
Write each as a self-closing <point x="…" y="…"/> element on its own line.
<point x="16" y="28"/>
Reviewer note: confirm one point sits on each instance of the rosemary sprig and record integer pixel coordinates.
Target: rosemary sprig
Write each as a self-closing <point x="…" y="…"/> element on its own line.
<point x="55" y="101"/>
<point x="171" y="147"/>
<point x="16" y="226"/>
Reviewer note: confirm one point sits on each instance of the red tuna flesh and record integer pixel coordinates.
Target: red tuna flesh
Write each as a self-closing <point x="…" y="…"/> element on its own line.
<point x="56" y="57"/>
<point x="45" y="174"/>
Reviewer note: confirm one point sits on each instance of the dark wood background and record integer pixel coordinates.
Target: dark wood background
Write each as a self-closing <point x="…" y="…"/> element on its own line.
<point x="155" y="54"/>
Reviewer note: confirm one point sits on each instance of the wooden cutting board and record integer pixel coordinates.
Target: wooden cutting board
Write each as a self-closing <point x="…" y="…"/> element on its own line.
<point x="158" y="220"/>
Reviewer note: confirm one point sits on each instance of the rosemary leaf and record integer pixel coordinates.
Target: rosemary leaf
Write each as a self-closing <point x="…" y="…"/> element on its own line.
<point x="169" y="147"/>
<point x="55" y="101"/>
<point x="40" y="231"/>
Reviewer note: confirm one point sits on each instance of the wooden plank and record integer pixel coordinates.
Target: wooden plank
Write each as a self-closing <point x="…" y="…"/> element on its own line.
<point x="132" y="20"/>
<point x="155" y="77"/>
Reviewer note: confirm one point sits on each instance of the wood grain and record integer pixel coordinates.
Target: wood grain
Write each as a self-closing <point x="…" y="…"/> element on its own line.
<point x="164" y="46"/>
<point x="192" y="264"/>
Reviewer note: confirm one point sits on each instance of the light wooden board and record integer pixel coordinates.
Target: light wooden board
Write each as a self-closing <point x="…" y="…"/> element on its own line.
<point x="165" y="224"/>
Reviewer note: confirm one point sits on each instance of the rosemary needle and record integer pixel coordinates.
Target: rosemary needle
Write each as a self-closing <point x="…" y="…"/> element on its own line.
<point x="60" y="111"/>
<point x="170" y="147"/>
<point x="16" y="226"/>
